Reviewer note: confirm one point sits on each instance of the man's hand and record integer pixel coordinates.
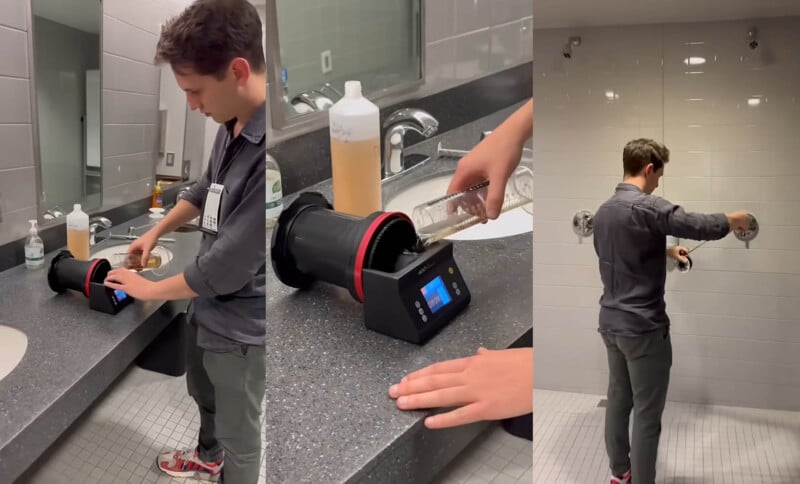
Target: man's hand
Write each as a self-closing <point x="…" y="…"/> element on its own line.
<point x="679" y="253"/>
<point x="495" y="159"/>
<point x="491" y="385"/>
<point x="131" y="284"/>
<point x="143" y="245"/>
<point x="739" y="221"/>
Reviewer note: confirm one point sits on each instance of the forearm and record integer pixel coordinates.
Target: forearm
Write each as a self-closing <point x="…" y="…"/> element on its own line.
<point x="676" y="222"/>
<point x="179" y="215"/>
<point x="173" y="289"/>
<point x="518" y="128"/>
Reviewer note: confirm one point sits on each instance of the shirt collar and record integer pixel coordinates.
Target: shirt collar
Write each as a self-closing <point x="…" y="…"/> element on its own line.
<point x="256" y="128"/>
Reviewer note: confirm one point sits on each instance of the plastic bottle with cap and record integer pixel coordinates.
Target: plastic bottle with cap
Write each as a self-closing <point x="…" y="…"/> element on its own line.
<point x="355" y="153"/>
<point x="34" y="247"/>
<point x="78" y="233"/>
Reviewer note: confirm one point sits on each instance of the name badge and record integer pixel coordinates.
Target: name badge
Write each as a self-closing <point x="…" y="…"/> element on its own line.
<point x="212" y="207"/>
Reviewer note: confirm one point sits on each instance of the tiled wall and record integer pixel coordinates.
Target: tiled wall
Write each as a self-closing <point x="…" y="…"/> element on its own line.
<point x="130" y="107"/>
<point x="736" y="315"/>
<point x="130" y="96"/>
<point x="350" y="30"/>
<point x="17" y="172"/>
<point x="468" y="39"/>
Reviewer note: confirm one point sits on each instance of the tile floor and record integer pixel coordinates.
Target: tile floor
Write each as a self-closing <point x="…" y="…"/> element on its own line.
<point x="144" y="413"/>
<point x="699" y="443"/>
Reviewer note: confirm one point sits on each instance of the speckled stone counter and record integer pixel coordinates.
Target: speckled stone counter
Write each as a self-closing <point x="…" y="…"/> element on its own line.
<point x="74" y="353"/>
<point x="329" y="417"/>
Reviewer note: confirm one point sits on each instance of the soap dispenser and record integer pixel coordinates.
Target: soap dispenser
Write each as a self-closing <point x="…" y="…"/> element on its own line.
<point x="158" y="196"/>
<point x="355" y="153"/>
<point x="78" y="233"/>
<point x="34" y="248"/>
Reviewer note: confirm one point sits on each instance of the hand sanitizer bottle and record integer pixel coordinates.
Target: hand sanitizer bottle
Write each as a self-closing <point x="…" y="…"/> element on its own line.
<point x="34" y="248"/>
<point x="274" y="192"/>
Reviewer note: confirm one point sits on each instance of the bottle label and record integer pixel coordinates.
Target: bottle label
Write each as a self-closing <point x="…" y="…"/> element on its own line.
<point x="274" y="198"/>
<point x="34" y="255"/>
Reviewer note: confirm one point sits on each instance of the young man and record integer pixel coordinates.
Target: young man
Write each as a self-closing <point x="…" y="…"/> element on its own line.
<point x="630" y="231"/>
<point x="492" y="385"/>
<point x="215" y="50"/>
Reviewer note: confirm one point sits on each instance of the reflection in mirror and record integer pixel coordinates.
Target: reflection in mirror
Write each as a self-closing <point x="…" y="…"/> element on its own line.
<point x="66" y="58"/>
<point x="173" y="117"/>
<point x="321" y="45"/>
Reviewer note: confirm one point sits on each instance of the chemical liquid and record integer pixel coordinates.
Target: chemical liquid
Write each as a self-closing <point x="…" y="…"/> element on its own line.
<point x="356" y="166"/>
<point x="447" y="215"/>
<point x="78" y="244"/>
<point x="134" y="261"/>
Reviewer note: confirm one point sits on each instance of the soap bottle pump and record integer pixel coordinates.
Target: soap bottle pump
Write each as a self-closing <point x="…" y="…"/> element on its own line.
<point x="78" y="233"/>
<point x="34" y="248"/>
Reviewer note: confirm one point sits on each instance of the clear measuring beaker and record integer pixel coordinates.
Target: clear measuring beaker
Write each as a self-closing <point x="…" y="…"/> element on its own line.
<point x="447" y="215"/>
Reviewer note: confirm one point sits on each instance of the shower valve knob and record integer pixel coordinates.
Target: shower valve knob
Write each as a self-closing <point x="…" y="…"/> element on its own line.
<point x="582" y="223"/>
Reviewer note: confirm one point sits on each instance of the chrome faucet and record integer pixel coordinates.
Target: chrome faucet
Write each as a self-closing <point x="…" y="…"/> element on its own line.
<point x="397" y="125"/>
<point x="316" y="100"/>
<point x="94" y="223"/>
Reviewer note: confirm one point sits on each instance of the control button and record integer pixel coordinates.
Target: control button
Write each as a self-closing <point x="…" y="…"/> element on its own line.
<point x="424" y="319"/>
<point x="417" y="304"/>
<point x="458" y="292"/>
<point x="451" y="270"/>
<point x="422" y="312"/>
<point x="455" y="285"/>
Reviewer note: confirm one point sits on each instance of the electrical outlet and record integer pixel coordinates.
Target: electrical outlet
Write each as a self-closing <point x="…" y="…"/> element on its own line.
<point x="327" y="62"/>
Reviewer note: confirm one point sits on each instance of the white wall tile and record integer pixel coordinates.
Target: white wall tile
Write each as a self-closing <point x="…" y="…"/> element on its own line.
<point x="736" y="315"/>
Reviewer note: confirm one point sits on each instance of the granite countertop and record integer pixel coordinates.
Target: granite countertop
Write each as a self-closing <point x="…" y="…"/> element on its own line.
<point x="329" y="417"/>
<point x="74" y="353"/>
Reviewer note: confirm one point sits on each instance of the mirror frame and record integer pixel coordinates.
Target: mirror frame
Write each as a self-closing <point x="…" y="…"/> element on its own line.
<point x="37" y="154"/>
<point x="318" y="119"/>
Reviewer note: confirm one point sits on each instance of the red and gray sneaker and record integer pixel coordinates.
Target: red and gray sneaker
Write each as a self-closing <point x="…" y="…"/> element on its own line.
<point x="187" y="463"/>
<point x="623" y="479"/>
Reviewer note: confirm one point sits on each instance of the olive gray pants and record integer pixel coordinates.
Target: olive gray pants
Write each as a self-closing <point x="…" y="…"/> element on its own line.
<point x="638" y="378"/>
<point x="228" y="388"/>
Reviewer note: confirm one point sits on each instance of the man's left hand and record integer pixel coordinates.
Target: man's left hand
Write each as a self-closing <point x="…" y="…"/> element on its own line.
<point x="678" y="253"/>
<point x="131" y="284"/>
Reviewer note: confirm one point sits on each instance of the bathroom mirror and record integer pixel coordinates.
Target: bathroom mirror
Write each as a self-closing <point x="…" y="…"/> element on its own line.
<point x="314" y="47"/>
<point x="64" y="38"/>
<point x="181" y="133"/>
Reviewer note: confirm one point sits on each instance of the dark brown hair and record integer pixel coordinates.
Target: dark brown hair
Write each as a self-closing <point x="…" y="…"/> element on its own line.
<point x="209" y="34"/>
<point x="639" y="153"/>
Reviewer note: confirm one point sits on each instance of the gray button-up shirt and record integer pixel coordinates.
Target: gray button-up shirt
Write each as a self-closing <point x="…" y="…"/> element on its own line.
<point x="630" y="231"/>
<point x="229" y="273"/>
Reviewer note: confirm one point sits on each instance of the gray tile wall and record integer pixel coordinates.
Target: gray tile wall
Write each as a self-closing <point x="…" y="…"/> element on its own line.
<point x="130" y="106"/>
<point x="467" y="40"/>
<point x="17" y="172"/>
<point x="130" y="96"/>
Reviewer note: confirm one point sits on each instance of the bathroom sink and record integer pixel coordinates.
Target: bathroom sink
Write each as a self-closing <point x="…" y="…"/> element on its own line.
<point x="13" y="345"/>
<point x="110" y="251"/>
<point x="514" y="222"/>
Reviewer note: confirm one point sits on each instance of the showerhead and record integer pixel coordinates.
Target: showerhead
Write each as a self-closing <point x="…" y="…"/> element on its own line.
<point x="752" y="39"/>
<point x="574" y="41"/>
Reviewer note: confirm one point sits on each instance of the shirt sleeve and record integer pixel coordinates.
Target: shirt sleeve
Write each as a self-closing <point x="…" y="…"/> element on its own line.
<point x="673" y="220"/>
<point x="240" y="250"/>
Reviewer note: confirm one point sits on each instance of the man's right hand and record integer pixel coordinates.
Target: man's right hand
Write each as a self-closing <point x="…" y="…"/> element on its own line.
<point x="739" y="221"/>
<point x="494" y="159"/>
<point x="144" y="245"/>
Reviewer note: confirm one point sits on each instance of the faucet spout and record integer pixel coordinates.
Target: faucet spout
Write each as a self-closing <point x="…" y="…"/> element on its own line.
<point x="397" y="125"/>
